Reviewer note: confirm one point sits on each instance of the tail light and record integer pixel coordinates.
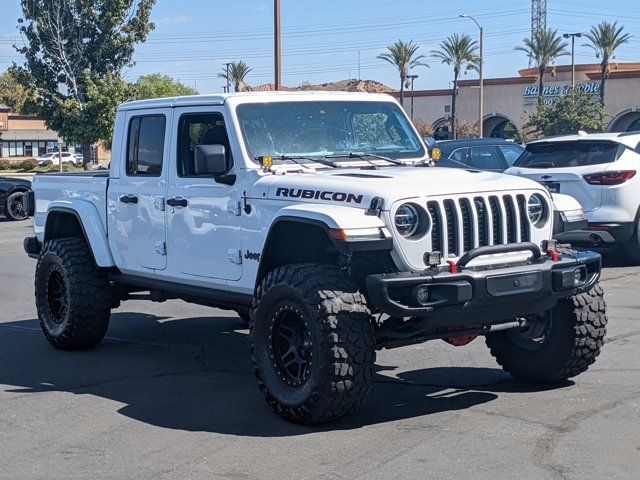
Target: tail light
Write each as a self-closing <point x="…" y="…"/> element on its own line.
<point x="610" y="178"/>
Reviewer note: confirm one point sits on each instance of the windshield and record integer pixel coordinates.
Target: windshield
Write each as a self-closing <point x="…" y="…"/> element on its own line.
<point x="563" y="154"/>
<point x="317" y="129"/>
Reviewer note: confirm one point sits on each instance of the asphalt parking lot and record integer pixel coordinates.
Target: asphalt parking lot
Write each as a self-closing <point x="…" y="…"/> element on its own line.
<point x="170" y="394"/>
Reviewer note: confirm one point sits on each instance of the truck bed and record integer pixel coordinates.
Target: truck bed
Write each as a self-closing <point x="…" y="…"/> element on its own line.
<point x="66" y="187"/>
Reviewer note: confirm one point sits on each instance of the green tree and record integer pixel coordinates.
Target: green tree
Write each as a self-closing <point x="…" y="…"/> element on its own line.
<point x="402" y="55"/>
<point x="543" y="48"/>
<point x="237" y="74"/>
<point x="461" y="52"/>
<point x="15" y="95"/>
<point x="74" y="53"/>
<point x="161" y="86"/>
<point x="568" y="114"/>
<point x="604" y="39"/>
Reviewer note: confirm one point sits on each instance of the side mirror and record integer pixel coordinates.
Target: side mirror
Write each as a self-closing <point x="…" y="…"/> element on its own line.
<point x="210" y="160"/>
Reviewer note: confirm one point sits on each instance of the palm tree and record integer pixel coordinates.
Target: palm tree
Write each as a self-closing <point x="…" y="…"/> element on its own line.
<point x="543" y="48"/>
<point x="402" y="56"/>
<point x="461" y="52"/>
<point x="604" y="39"/>
<point x="237" y="73"/>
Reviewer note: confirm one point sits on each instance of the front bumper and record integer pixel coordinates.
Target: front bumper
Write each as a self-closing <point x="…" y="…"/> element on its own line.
<point x="477" y="296"/>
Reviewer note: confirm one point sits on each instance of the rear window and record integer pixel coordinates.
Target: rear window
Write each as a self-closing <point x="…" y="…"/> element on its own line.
<point x="580" y="153"/>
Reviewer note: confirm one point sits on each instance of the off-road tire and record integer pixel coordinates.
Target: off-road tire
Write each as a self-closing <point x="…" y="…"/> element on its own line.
<point x="7" y="210"/>
<point x="342" y="342"/>
<point x="85" y="318"/>
<point x="575" y="337"/>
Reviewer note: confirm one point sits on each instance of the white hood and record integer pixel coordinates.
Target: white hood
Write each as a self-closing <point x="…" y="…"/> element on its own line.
<point x="356" y="187"/>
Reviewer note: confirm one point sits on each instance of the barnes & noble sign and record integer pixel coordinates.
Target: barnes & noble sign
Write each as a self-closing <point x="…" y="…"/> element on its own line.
<point x="554" y="91"/>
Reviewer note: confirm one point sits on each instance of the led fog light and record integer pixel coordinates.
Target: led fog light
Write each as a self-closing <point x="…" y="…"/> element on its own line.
<point x="421" y="294"/>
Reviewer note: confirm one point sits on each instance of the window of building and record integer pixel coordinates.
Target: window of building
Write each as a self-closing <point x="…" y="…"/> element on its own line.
<point x="145" y="147"/>
<point x="199" y="129"/>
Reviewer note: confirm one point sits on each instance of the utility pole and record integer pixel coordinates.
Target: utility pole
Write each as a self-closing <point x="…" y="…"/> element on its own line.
<point x="412" y="78"/>
<point x="228" y="79"/>
<point x="481" y="82"/>
<point x="359" y="77"/>
<point x="277" y="45"/>
<point x="538" y="18"/>
<point x="573" y="56"/>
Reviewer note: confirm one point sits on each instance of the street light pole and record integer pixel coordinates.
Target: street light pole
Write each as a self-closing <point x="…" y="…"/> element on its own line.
<point x="573" y="56"/>
<point x="277" y="45"/>
<point x="412" y="78"/>
<point x="481" y="81"/>
<point x="228" y="79"/>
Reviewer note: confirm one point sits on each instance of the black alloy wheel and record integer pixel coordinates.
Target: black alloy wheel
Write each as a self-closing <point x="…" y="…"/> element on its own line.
<point x="15" y="208"/>
<point x="57" y="296"/>
<point x="290" y="344"/>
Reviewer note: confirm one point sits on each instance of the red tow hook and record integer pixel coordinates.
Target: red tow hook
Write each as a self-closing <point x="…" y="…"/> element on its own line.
<point x="554" y="255"/>
<point x="453" y="266"/>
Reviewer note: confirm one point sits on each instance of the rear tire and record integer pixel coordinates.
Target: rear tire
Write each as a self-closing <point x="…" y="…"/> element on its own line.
<point x="13" y="208"/>
<point x="312" y="343"/>
<point x="73" y="296"/>
<point x="566" y="347"/>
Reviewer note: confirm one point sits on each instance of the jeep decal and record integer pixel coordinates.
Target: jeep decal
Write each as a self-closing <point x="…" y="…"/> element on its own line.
<point x="319" y="195"/>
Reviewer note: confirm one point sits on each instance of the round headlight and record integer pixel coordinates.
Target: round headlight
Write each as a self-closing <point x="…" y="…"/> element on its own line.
<point x="536" y="209"/>
<point x="406" y="220"/>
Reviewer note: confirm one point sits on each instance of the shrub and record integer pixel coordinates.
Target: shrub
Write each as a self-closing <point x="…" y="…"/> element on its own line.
<point x="28" y="164"/>
<point x="5" y="164"/>
<point x="425" y="129"/>
<point x="48" y="162"/>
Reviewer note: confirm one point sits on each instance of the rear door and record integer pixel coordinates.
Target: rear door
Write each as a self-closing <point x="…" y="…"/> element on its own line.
<point x="137" y="230"/>
<point x="561" y="167"/>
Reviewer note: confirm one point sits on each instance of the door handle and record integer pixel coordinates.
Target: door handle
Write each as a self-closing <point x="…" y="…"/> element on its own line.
<point x="177" y="202"/>
<point x="129" y="199"/>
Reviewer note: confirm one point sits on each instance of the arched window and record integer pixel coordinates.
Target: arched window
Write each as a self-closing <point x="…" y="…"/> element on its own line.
<point x="504" y="129"/>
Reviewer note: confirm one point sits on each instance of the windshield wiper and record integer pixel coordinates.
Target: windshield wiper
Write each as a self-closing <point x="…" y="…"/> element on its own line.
<point x="295" y="158"/>
<point x="363" y="155"/>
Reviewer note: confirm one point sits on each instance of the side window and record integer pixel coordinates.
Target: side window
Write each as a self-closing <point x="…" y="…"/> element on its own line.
<point x="199" y="129"/>
<point x="638" y="148"/>
<point x="510" y="153"/>
<point x="460" y="156"/>
<point x="145" y="145"/>
<point x="485" y="158"/>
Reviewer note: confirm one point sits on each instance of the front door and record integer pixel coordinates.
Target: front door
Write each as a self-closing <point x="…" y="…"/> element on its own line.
<point x="203" y="215"/>
<point x="137" y="227"/>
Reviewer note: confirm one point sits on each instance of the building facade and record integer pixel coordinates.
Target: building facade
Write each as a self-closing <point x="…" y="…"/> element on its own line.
<point x="508" y="102"/>
<point x="27" y="136"/>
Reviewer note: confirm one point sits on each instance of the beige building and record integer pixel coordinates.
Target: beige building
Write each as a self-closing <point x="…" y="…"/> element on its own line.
<point x="27" y="136"/>
<point x="509" y="101"/>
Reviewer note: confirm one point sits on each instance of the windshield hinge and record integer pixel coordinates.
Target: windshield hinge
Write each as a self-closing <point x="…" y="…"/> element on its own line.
<point x="161" y="248"/>
<point x="235" y="256"/>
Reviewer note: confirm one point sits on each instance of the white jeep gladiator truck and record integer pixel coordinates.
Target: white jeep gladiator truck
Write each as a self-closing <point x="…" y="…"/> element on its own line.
<point x="318" y="218"/>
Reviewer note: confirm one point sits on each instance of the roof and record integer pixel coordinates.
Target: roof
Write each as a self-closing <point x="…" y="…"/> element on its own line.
<point x="630" y="139"/>
<point x="240" y="97"/>
<point x="471" y="142"/>
<point x="32" y="134"/>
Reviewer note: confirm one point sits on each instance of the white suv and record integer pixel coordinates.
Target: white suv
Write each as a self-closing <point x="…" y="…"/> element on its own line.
<point x="601" y="172"/>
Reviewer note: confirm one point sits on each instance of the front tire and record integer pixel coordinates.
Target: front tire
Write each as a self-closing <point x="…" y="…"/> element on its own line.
<point x="561" y="346"/>
<point x="13" y="207"/>
<point x="73" y="296"/>
<point x="312" y="343"/>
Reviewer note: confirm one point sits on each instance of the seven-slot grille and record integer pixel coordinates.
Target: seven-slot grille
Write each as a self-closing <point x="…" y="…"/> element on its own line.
<point x="458" y="225"/>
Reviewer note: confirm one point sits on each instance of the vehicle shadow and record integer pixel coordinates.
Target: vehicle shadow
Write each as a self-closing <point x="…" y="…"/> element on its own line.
<point x="194" y="375"/>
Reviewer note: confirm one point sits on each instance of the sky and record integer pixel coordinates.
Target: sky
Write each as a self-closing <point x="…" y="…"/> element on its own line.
<point x="330" y="40"/>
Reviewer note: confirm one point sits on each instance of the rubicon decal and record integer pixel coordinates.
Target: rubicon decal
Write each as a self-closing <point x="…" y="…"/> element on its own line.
<point x="319" y="195"/>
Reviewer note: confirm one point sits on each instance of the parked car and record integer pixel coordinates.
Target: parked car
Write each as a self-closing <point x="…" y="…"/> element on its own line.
<point x="317" y="217"/>
<point x="12" y="192"/>
<point x="492" y="154"/>
<point x="598" y="170"/>
<point x="54" y="158"/>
